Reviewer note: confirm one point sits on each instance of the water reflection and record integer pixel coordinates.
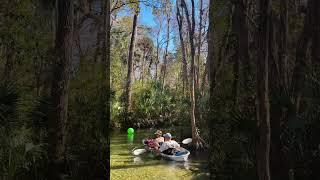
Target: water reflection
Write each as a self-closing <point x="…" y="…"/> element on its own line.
<point x="181" y="165"/>
<point x="130" y="138"/>
<point x="137" y="159"/>
<point x="186" y="165"/>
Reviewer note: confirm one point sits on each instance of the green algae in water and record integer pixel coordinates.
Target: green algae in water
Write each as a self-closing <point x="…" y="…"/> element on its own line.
<point x="126" y="166"/>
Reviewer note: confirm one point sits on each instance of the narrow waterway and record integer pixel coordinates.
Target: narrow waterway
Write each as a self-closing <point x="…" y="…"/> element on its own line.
<point x="124" y="165"/>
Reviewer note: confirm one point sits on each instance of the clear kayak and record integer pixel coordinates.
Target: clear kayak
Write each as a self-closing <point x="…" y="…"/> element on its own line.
<point x="180" y="156"/>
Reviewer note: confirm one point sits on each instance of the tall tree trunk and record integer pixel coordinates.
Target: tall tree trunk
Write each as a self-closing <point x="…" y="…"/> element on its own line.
<point x="241" y="57"/>
<point x="236" y="57"/>
<point x="315" y="48"/>
<point x="105" y="90"/>
<point x="149" y="67"/>
<point x="157" y="58"/>
<point x="38" y="66"/>
<point x="236" y="76"/>
<point x="60" y="84"/>
<point x="164" y="70"/>
<point x="283" y="44"/>
<point x="134" y="67"/>
<point x="277" y="168"/>
<point x="206" y="73"/>
<point x="150" y="53"/>
<point x="8" y="67"/>
<point x="191" y="27"/>
<point x="156" y="71"/>
<point x="97" y="54"/>
<point x="76" y="32"/>
<point x="243" y="41"/>
<point x="143" y="66"/>
<point x="274" y="84"/>
<point x="184" y="60"/>
<point x="100" y="37"/>
<point x="301" y="54"/>
<point x="210" y="68"/>
<point x="263" y="109"/>
<point x="204" y="80"/>
<point x="199" y="44"/>
<point x="85" y="6"/>
<point x="130" y="64"/>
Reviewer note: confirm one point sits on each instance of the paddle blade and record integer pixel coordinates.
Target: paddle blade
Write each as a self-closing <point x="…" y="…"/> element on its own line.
<point x="187" y="141"/>
<point x="139" y="151"/>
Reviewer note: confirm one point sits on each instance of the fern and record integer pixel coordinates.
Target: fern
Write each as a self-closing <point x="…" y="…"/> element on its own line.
<point x="8" y="105"/>
<point x="19" y="156"/>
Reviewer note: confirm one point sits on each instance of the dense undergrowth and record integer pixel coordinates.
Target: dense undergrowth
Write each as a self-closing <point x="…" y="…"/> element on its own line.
<point x="24" y="128"/>
<point x="24" y="133"/>
<point x="153" y="107"/>
<point x="234" y="134"/>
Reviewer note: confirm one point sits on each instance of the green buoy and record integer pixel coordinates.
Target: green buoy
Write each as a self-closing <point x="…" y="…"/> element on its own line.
<point x="130" y="131"/>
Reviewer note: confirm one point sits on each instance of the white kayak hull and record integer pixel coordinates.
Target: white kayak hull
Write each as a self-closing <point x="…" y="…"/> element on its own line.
<point x="180" y="158"/>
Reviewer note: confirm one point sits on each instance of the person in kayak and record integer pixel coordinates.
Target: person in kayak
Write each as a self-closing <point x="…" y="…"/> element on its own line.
<point x="156" y="142"/>
<point x="169" y="146"/>
<point x="159" y="139"/>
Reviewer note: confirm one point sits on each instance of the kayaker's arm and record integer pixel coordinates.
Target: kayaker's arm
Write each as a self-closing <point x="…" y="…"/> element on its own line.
<point x="156" y="145"/>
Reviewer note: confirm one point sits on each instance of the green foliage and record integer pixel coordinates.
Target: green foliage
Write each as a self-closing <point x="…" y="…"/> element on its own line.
<point x="24" y="123"/>
<point x="39" y="119"/>
<point x="8" y="104"/>
<point x="300" y="132"/>
<point x="153" y="106"/>
<point x="87" y="144"/>
<point x="19" y="155"/>
<point x="23" y="32"/>
<point x="233" y="139"/>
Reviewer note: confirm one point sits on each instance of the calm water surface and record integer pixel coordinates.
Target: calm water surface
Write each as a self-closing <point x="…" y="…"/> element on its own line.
<point x="124" y="165"/>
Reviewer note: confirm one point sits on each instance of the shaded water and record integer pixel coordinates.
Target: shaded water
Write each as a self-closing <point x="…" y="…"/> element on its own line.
<point x="126" y="166"/>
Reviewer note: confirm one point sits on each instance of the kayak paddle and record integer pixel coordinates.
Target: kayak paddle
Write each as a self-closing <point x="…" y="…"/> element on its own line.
<point x="139" y="151"/>
<point x="187" y="141"/>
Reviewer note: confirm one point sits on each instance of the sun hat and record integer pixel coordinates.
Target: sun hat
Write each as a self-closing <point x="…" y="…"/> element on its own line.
<point x="158" y="132"/>
<point x="167" y="135"/>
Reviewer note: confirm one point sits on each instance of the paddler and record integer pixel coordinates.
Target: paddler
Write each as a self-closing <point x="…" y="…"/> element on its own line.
<point x="159" y="139"/>
<point x="169" y="146"/>
<point x="156" y="142"/>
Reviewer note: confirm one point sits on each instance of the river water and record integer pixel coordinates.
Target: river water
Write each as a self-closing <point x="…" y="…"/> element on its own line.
<point x="124" y="165"/>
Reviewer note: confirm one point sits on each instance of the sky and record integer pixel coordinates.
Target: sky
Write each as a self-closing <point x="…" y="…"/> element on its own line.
<point x="146" y="18"/>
